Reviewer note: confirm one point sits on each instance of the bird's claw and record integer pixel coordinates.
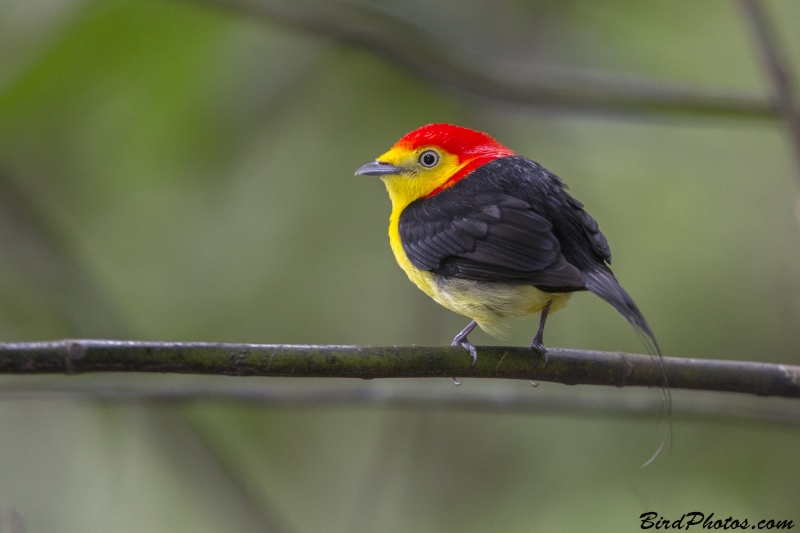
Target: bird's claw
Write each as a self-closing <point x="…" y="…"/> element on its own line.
<point x="537" y="343"/>
<point x="539" y="347"/>
<point x="461" y="340"/>
<point x="471" y="349"/>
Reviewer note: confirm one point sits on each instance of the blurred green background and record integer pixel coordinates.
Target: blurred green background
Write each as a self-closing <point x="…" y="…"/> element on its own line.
<point x="172" y="170"/>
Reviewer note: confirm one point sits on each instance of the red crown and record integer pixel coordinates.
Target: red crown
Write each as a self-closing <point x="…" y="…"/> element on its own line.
<point x="463" y="142"/>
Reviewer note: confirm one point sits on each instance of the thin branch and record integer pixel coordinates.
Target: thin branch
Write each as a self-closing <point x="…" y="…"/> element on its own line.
<point x="571" y="367"/>
<point x="507" y="398"/>
<point x="477" y="75"/>
<point x="777" y="68"/>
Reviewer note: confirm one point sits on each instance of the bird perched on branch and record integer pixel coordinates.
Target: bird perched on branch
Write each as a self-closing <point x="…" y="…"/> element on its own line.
<point x="493" y="235"/>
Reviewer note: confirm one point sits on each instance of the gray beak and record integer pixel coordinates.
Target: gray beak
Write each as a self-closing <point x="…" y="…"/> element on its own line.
<point x="377" y="168"/>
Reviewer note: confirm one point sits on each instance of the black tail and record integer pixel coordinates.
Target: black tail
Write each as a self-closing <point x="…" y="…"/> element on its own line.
<point x="605" y="285"/>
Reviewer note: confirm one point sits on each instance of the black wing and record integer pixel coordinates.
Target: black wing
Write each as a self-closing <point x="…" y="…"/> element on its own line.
<point x="489" y="236"/>
<point x="582" y="243"/>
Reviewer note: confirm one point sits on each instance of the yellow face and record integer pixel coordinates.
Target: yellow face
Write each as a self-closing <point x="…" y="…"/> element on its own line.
<point x="419" y="172"/>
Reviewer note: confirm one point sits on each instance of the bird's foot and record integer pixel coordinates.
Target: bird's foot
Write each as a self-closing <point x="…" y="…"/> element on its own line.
<point x="469" y="347"/>
<point x="539" y="347"/>
<point x="536" y="343"/>
<point x="461" y="340"/>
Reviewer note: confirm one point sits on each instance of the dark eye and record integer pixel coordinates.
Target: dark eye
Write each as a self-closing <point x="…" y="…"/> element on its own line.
<point x="428" y="158"/>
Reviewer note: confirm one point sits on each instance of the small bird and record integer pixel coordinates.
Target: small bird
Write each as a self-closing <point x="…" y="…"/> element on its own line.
<point x="492" y="235"/>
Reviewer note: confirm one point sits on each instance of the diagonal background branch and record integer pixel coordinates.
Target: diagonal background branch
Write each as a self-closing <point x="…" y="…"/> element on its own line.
<point x="33" y="244"/>
<point x="571" y="367"/>
<point x="494" y="79"/>
<point x="777" y="68"/>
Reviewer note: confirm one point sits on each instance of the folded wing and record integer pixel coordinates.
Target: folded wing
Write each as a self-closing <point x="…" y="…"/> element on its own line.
<point x="492" y="237"/>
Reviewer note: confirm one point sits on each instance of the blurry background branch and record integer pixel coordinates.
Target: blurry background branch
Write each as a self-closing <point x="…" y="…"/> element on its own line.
<point x="32" y="244"/>
<point x="777" y="68"/>
<point x="571" y="367"/>
<point x="495" y="79"/>
<point x="310" y="393"/>
<point x="40" y="250"/>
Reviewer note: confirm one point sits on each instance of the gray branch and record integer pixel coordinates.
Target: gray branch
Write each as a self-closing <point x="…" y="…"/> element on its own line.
<point x="571" y="367"/>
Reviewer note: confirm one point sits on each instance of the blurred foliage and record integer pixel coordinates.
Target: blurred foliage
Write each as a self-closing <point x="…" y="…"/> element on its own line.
<point x="179" y="171"/>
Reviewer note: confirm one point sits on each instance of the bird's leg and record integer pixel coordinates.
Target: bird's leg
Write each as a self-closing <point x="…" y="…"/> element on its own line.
<point x="461" y="340"/>
<point x="536" y="343"/>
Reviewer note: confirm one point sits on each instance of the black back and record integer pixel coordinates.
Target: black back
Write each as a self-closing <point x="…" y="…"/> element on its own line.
<point x="509" y="220"/>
